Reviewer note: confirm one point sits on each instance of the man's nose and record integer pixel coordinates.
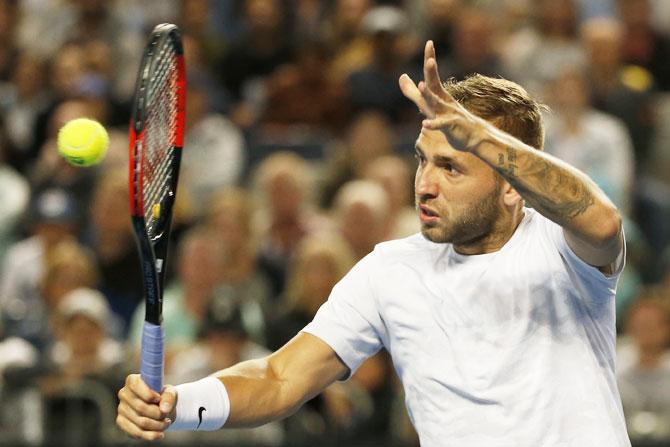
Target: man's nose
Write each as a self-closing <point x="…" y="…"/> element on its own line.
<point x="425" y="185"/>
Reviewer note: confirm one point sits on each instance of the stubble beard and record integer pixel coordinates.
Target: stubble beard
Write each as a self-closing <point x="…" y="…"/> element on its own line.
<point x="472" y="224"/>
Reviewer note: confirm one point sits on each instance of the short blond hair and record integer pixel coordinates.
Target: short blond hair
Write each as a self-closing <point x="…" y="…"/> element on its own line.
<point x="504" y="103"/>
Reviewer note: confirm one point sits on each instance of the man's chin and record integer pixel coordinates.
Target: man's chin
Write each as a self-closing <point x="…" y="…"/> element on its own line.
<point x="433" y="234"/>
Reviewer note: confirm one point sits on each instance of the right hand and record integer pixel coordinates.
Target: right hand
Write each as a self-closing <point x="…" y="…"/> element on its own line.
<point x="142" y="412"/>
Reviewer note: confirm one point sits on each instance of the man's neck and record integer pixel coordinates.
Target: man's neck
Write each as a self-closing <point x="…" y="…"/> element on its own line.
<point x="496" y="239"/>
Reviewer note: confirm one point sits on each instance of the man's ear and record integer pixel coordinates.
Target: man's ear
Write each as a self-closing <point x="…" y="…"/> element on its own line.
<point x="510" y="196"/>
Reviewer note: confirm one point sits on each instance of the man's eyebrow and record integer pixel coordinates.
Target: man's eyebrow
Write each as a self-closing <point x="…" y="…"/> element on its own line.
<point x="439" y="159"/>
<point x="445" y="159"/>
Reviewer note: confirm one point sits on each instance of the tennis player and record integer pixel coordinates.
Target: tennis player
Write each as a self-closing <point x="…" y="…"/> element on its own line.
<point x="499" y="317"/>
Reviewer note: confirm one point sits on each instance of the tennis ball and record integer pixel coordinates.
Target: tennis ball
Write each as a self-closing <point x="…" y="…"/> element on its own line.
<point x="83" y="142"/>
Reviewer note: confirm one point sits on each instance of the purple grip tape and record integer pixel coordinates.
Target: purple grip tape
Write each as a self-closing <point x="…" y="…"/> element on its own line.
<point x="151" y="359"/>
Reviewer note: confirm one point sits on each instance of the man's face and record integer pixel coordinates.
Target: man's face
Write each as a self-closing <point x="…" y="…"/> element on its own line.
<point x="457" y="195"/>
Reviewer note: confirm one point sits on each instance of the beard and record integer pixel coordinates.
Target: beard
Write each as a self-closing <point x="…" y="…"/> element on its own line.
<point x="467" y="225"/>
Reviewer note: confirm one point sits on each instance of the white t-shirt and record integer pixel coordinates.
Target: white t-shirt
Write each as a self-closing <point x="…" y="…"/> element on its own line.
<point x="512" y="348"/>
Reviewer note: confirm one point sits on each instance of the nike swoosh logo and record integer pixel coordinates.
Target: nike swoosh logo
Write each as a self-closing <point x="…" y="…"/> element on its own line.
<point x="200" y="411"/>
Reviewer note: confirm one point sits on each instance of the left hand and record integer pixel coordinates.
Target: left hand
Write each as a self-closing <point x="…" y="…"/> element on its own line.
<point x="442" y="111"/>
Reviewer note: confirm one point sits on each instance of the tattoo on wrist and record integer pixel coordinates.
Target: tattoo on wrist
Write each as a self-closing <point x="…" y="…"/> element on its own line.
<point x="507" y="167"/>
<point x="546" y="186"/>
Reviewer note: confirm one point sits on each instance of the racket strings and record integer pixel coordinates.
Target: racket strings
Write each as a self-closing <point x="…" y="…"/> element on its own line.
<point x="161" y="127"/>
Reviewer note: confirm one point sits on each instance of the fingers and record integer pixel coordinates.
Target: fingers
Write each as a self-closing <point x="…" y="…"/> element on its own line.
<point x="438" y="123"/>
<point x="139" y="414"/>
<point x="135" y="384"/>
<point x="141" y="407"/>
<point x="142" y="422"/>
<point x="434" y="99"/>
<point x="411" y="92"/>
<point x="168" y="400"/>
<point x="430" y="72"/>
<point x="434" y="102"/>
<point x="429" y="51"/>
<point x="136" y="432"/>
<point x="450" y="125"/>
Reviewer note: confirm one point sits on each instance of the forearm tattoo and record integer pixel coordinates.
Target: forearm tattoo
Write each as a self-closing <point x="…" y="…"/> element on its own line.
<point x="546" y="186"/>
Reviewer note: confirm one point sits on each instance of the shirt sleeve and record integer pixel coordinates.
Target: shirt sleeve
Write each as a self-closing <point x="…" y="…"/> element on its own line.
<point x="349" y="322"/>
<point x="592" y="283"/>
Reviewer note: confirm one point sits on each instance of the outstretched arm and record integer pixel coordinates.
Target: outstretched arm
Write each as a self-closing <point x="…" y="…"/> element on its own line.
<point x="275" y="387"/>
<point x="560" y="192"/>
<point x="557" y="190"/>
<point x="259" y="390"/>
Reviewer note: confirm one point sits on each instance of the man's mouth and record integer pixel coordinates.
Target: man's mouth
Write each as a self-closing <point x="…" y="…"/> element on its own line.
<point x="427" y="214"/>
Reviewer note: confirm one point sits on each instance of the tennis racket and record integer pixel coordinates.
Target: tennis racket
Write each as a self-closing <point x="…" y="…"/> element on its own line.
<point x="156" y="140"/>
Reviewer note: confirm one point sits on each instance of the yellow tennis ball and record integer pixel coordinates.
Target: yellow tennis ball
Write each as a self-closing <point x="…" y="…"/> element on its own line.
<point x="83" y="142"/>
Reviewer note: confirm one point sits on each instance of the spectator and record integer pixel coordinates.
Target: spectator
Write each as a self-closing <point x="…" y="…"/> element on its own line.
<point x="53" y="216"/>
<point x="308" y="19"/>
<point x="644" y="381"/>
<point x="319" y="261"/>
<point x="660" y="16"/>
<point x="362" y="213"/>
<point x="17" y="404"/>
<point x="69" y="267"/>
<point x="14" y="197"/>
<point x="29" y="99"/>
<point x="304" y="93"/>
<point x="65" y="72"/>
<point x="592" y="141"/>
<point x="83" y="348"/>
<point x="200" y="257"/>
<point x="222" y="342"/>
<point x="369" y="136"/>
<point x="197" y="20"/>
<point x="533" y="54"/>
<point x="46" y="18"/>
<point x="473" y="45"/>
<point x="283" y="188"/>
<point x="215" y="154"/>
<point x="110" y="236"/>
<point x="375" y="86"/>
<point x="644" y="46"/>
<point x="513" y="16"/>
<point x="441" y="17"/>
<point x="351" y="49"/>
<point x="264" y="46"/>
<point x="8" y="51"/>
<point x="242" y="277"/>
<point x="84" y="368"/>
<point x="623" y="91"/>
<point x="201" y="75"/>
<point x="395" y="176"/>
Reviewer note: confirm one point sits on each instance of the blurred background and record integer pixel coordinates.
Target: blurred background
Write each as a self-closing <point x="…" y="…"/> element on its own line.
<point x="297" y="161"/>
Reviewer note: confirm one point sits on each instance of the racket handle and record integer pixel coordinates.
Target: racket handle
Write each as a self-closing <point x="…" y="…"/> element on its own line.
<point x="151" y="357"/>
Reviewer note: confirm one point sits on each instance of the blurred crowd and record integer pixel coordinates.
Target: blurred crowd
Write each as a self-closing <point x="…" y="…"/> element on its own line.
<point x="298" y="159"/>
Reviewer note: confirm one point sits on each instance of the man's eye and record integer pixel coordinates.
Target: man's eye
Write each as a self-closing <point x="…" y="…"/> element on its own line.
<point x="450" y="168"/>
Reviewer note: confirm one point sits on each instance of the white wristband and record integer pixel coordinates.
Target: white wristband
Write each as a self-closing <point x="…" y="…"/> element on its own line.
<point x="202" y="405"/>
